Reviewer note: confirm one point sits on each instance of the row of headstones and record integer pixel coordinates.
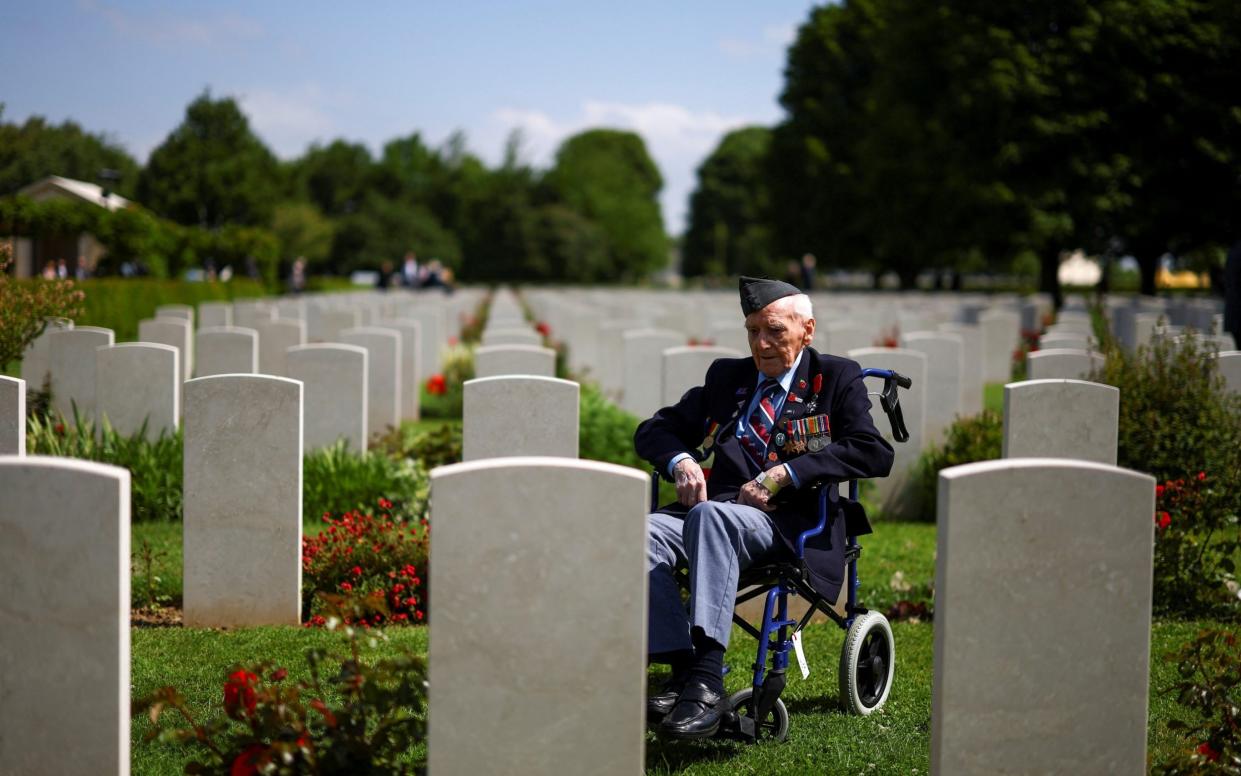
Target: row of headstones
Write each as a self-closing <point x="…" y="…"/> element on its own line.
<point x="1006" y="655"/>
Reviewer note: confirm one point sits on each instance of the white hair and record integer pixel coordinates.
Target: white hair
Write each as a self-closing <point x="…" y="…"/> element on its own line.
<point x="795" y="304"/>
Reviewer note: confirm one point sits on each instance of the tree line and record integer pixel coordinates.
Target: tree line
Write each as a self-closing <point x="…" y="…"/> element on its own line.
<point x="987" y="135"/>
<point x="592" y="217"/>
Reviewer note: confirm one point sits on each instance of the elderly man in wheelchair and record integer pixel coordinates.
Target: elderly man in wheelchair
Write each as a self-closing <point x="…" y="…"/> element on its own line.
<point x="785" y="427"/>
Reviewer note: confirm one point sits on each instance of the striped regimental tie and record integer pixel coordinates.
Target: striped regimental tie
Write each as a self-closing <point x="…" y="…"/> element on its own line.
<point x="758" y="428"/>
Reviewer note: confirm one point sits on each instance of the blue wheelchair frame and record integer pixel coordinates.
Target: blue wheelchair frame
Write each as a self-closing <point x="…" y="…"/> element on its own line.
<point x="790" y="577"/>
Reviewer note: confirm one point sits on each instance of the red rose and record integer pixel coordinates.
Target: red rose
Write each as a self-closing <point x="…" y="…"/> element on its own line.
<point x="1202" y="476"/>
<point x="543" y="328"/>
<point x="239" y="693"/>
<point x="1206" y="751"/>
<point x="1165" y="519"/>
<point x="385" y="503"/>
<point x="436" y="385"/>
<point x="247" y="763"/>
<point x="356" y="571"/>
<point x="1159" y="489"/>
<point x="346" y="586"/>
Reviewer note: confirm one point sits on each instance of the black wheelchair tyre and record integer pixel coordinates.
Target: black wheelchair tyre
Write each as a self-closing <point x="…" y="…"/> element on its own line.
<point x="774" y="728"/>
<point x="867" y="662"/>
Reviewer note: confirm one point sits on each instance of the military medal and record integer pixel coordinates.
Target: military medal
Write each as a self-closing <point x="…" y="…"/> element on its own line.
<point x="709" y="442"/>
<point x="772" y="456"/>
<point x="780" y="439"/>
<point x="816" y="443"/>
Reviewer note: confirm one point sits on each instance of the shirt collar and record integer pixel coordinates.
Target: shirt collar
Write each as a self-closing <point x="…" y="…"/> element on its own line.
<point x="786" y="379"/>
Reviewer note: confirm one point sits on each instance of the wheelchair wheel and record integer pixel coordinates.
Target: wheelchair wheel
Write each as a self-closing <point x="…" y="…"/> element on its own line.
<point x="867" y="661"/>
<point x="774" y="728"/>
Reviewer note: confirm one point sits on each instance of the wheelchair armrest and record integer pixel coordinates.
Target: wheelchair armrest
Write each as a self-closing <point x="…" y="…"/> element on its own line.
<point x="818" y="529"/>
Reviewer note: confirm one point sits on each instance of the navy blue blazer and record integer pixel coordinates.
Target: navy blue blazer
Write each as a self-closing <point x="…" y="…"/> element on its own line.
<point x="854" y="449"/>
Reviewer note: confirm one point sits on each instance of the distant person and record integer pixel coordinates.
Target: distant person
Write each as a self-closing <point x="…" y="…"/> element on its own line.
<point x="297" y="276"/>
<point x="409" y="270"/>
<point x="807" y="272"/>
<point x="437" y="277"/>
<point x="386" y="276"/>
<point x="62" y="269"/>
<point x="49" y="270"/>
<point x="792" y="273"/>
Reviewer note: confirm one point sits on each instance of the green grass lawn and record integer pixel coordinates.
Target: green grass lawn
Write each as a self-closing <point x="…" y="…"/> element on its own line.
<point x="993" y="397"/>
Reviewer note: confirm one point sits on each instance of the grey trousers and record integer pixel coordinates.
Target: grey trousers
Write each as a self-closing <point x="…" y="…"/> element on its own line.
<point x="716" y="542"/>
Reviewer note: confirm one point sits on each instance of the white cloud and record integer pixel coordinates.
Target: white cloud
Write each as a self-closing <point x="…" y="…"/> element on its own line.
<point x="677" y="138"/>
<point x="165" y="29"/>
<point x="288" y="121"/>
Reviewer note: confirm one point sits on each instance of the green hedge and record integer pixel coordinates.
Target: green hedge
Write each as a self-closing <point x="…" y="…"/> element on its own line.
<point x="119" y="303"/>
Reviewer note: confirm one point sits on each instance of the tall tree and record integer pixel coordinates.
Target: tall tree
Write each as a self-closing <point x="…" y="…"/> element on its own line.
<point x="335" y="177"/>
<point x="607" y="177"/>
<point x="729" y="210"/>
<point x="211" y="170"/>
<point x="37" y="149"/>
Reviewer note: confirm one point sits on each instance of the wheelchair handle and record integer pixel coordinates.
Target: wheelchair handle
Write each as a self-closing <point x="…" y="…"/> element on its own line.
<point x="889" y="399"/>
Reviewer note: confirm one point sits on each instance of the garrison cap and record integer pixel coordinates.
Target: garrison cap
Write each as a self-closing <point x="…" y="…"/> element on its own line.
<point x="757" y="293"/>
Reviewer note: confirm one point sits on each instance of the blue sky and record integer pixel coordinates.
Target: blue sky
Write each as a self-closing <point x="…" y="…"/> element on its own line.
<point x="679" y="73"/>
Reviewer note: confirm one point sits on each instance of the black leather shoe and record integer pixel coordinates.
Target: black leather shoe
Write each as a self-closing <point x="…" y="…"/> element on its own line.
<point x="659" y="704"/>
<point x="697" y="713"/>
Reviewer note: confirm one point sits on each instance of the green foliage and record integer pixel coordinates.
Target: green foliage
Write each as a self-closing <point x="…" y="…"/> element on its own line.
<point x="607" y="177"/>
<point x="36" y="149"/>
<point x="26" y="306"/>
<point x="147" y="564"/>
<point x="351" y="716"/>
<point x="1177" y="420"/>
<point x="336" y="479"/>
<point x="211" y="170"/>
<point x="444" y="392"/>
<point x="155" y="467"/>
<point x="302" y="231"/>
<point x="976" y="438"/>
<point x="1208" y="687"/>
<point x="728" y="231"/>
<point x="431" y="444"/>
<point x="335" y="177"/>
<point x="605" y="431"/>
<point x="120" y="303"/>
<point x="385" y="229"/>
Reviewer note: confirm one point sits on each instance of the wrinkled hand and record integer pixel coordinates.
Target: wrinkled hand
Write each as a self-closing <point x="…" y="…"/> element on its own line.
<point x="691" y="483"/>
<point x="754" y="495"/>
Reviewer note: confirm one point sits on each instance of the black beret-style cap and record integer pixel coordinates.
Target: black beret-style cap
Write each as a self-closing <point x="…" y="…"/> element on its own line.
<point x="757" y="293"/>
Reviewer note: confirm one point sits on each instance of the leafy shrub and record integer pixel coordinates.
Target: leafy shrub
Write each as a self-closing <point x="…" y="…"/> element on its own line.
<point x="605" y="431"/>
<point x="377" y="557"/>
<point x="26" y="306"/>
<point x="432" y="446"/>
<point x="1176" y="420"/>
<point x="155" y="467"/>
<point x="444" y="393"/>
<point x="1209" y="687"/>
<point x="336" y="479"/>
<point x="119" y="303"/>
<point x="272" y="725"/>
<point x="976" y="438"/>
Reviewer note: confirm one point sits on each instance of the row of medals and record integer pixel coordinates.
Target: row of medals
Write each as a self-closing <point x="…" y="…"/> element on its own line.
<point x="793" y="444"/>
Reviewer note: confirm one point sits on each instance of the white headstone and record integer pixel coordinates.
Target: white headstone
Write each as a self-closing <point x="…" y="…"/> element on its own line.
<point x="248" y="312"/>
<point x="243" y="501"/>
<point x="182" y="312"/>
<point x="326" y="325"/>
<point x="1061" y="419"/>
<point x="1042" y="618"/>
<point x="891" y="491"/>
<point x="643" y="380"/>
<point x="1066" y="342"/>
<point x="411" y="358"/>
<point x="225" y="350"/>
<point x="383" y="375"/>
<point x="71" y="361"/>
<point x="334" y="393"/>
<point x="520" y="336"/>
<point x="175" y="332"/>
<point x="972" y="382"/>
<point x="275" y="337"/>
<point x="1001" y="334"/>
<point x="840" y="337"/>
<point x="1062" y="364"/>
<point x="686" y="367"/>
<point x="12" y="416"/>
<point x="137" y="383"/>
<point x="35" y="361"/>
<point x="514" y="360"/>
<point x="215" y="314"/>
<point x="64" y="625"/>
<point x="546" y="694"/>
<point x="1230" y="368"/>
<point x="519" y="415"/>
<point x="945" y="365"/>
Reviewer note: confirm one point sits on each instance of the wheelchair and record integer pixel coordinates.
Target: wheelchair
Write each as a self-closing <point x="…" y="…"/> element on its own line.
<point x="868" y="655"/>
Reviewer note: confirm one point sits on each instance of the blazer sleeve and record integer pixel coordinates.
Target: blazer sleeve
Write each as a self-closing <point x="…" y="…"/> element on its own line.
<point x="857" y="450"/>
<point x="674" y="430"/>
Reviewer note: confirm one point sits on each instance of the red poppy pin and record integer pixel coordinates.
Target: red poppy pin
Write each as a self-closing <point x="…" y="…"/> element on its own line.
<point x="818" y="383"/>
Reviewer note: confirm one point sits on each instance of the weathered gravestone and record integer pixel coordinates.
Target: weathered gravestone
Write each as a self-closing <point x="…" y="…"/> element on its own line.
<point x="1062" y="364"/>
<point x="891" y="492"/>
<point x="411" y="359"/>
<point x="686" y="367"/>
<point x="526" y="689"/>
<point x="1066" y="342"/>
<point x="515" y="336"/>
<point x="246" y="313"/>
<point x="1042" y="618"/>
<point x="213" y="314"/>
<point x="12" y="416"/>
<point x="1230" y="368"/>
<point x="64" y="625"/>
<point x="243" y="501"/>
<point x="971" y="365"/>
<point x="183" y="312"/>
<point x="432" y="324"/>
<point x="174" y="332"/>
<point x="138" y="383"/>
<point x="519" y="415"/>
<point x="327" y="324"/>
<point x="334" y="394"/>
<point x="71" y="362"/>
<point x="514" y="360"/>
<point x="1061" y="419"/>
<point x="1001" y="333"/>
<point x="226" y="350"/>
<point x="275" y="338"/>
<point x="35" y="361"/>
<point x="643" y="368"/>
<point x="383" y="375"/>
<point x="944" y="367"/>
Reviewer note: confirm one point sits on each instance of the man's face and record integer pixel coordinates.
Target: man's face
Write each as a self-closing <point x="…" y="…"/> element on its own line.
<point x="777" y="336"/>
